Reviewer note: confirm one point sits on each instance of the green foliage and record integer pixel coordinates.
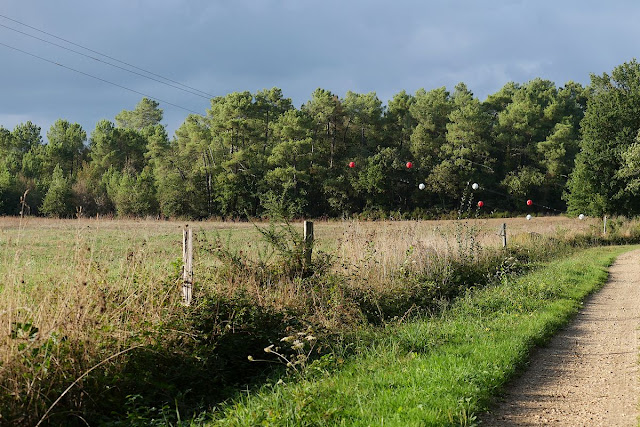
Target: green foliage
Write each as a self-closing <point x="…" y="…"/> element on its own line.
<point x="610" y="127"/>
<point x="26" y="137"/>
<point x="65" y="147"/>
<point x="117" y="148"/>
<point x="6" y="187"/>
<point x="379" y="182"/>
<point x="580" y="195"/>
<point x="524" y="181"/>
<point x="132" y="195"/>
<point x="630" y="169"/>
<point x="146" y="114"/>
<point x="57" y="201"/>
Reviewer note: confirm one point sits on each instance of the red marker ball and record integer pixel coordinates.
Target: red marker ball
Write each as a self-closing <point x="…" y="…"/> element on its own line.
<point x="480" y="204"/>
<point x="352" y="164"/>
<point x="529" y="202"/>
<point x="409" y="165"/>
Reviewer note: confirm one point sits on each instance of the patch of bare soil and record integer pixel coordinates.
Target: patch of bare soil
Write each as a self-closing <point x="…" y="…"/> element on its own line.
<point x="588" y="373"/>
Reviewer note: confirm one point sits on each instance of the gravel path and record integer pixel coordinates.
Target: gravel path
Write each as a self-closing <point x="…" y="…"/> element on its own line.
<point x="588" y="374"/>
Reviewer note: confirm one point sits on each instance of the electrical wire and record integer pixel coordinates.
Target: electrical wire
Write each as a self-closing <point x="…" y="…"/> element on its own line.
<point x="513" y="198"/>
<point x="106" y="62"/>
<point x="99" y="78"/>
<point x="106" y="56"/>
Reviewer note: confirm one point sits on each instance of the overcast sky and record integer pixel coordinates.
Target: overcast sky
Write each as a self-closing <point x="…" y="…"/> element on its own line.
<point x="222" y="46"/>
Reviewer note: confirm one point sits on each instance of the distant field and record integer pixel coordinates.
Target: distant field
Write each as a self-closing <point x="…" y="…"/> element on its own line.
<point x="38" y="249"/>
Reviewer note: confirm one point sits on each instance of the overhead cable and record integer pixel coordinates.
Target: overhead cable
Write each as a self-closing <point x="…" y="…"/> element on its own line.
<point x="106" y="56"/>
<point x="106" y="62"/>
<point x="98" y="78"/>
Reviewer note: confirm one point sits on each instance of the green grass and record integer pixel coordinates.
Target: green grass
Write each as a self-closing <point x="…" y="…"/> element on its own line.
<point x="436" y="371"/>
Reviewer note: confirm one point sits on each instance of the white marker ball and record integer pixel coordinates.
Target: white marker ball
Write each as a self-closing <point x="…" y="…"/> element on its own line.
<point x="421" y="186"/>
<point x="475" y="186"/>
<point x="581" y="216"/>
<point x="528" y="217"/>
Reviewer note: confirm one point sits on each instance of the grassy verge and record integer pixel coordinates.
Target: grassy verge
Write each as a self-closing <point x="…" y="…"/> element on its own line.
<point x="436" y="371"/>
<point x="95" y="305"/>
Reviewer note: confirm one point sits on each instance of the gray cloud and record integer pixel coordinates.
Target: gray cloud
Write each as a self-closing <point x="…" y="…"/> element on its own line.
<point x="223" y="46"/>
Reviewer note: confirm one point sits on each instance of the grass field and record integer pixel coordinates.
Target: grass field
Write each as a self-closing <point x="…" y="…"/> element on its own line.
<point x="39" y="250"/>
<point x="98" y="301"/>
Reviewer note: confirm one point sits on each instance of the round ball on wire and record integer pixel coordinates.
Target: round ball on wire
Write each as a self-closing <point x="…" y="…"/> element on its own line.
<point x="480" y="203"/>
<point x="409" y="165"/>
<point x="581" y="217"/>
<point x="421" y="186"/>
<point x="352" y="164"/>
<point x="529" y="217"/>
<point x="475" y="186"/>
<point x="529" y="202"/>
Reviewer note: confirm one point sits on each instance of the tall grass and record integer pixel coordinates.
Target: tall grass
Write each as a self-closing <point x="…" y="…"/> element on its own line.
<point x="76" y="293"/>
<point x="68" y="302"/>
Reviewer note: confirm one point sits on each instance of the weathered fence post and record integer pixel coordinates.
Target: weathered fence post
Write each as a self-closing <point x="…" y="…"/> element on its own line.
<point x="308" y="243"/>
<point x="604" y="229"/>
<point x="23" y="203"/>
<point x="503" y="233"/>
<point x="187" y="265"/>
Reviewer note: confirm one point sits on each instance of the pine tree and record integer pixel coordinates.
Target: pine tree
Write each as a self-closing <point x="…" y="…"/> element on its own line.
<point x="57" y="201"/>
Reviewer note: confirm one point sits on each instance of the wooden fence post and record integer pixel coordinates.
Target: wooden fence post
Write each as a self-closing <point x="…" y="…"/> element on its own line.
<point x="503" y="233"/>
<point x="187" y="265"/>
<point x="308" y="243"/>
<point x="604" y="229"/>
<point x="23" y="203"/>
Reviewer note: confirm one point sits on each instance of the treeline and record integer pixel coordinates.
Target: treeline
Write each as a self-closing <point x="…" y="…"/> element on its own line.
<point x="256" y="155"/>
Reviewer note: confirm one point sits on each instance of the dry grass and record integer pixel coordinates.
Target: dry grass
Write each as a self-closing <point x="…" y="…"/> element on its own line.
<point x="385" y="246"/>
<point x="45" y="262"/>
<point x="100" y="284"/>
<point x="73" y="293"/>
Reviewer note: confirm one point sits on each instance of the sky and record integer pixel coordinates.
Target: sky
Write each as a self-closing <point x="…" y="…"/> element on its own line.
<point x="216" y="47"/>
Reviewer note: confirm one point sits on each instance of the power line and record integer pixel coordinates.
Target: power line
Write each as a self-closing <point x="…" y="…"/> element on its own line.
<point x="106" y="62"/>
<point x="106" y="56"/>
<point x="514" y="198"/>
<point x="99" y="78"/>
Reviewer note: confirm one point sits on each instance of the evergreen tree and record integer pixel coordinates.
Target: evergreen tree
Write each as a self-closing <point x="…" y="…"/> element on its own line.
<point x="431" y="111"/>
<point x="289" y="166"/>
<point x="65" y="147"/>
<point x="6" y="189"/>
<point x="132" y="195"/>
<point x="185" y="170"/>
<point x="145" y="114"/>
<point x="398" y="121"/>
<point x="57" y="201"/>
<point x="466" y="151"/>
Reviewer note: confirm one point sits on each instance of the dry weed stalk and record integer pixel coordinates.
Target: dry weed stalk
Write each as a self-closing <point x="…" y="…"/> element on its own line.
<point x="87" y="372"/>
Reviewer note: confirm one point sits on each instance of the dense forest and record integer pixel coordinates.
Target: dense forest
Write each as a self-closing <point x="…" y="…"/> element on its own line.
<point x="569" y="148"/>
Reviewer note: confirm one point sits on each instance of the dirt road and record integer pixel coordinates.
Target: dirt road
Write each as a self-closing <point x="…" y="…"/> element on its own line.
<point x="588" y="374"/>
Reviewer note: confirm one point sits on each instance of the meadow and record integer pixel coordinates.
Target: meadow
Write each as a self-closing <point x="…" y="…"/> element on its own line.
<point x="92" y="327"/>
